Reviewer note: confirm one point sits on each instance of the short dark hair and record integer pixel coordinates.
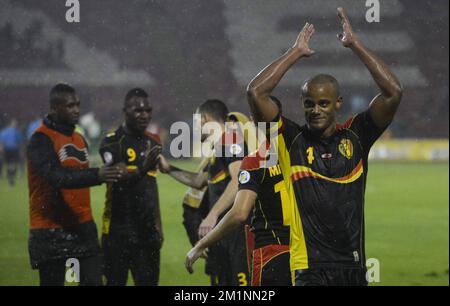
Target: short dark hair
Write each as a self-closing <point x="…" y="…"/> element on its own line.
<point x="136" y="92"/>
<point x="58" y="92"/>
<point x="321" y="79"/>
<point x="215" y="108"/>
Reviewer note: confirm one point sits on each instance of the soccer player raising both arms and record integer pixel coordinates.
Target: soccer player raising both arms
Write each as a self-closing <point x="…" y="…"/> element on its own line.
<point x="325" y="164"/>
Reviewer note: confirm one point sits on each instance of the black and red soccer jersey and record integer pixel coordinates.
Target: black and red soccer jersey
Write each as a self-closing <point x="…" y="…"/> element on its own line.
<point x="130" y="205"/>
<point x="270" y="221"/>
<point x="326" y="181"/>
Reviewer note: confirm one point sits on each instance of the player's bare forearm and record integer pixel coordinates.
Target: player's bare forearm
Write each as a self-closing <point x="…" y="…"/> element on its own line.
<point x="243" y="204"/>
<point x="388" y="83"/>
<point x="226" y="199"/>
<point x="260" y="88"/>
<point x="191" y="179"/>
<point x="228" y="223"/>
<point x="384" y="106"/>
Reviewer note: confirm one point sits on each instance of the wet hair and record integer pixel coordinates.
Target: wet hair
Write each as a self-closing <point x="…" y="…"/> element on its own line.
<point x="321" y="79"/>
<point x="214" y="108"/>
<point x="135" y="92"/>
<point x="59" y="92"/>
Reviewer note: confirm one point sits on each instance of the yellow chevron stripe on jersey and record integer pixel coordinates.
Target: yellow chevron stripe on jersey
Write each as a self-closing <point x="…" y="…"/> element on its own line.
<point x="297" y="245"/>
<point x="300" y="172"/>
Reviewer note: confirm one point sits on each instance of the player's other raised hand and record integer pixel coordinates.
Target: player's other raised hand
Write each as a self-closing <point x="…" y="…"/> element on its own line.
<point x="347" y="37"/>
<point x="302" y="42"/>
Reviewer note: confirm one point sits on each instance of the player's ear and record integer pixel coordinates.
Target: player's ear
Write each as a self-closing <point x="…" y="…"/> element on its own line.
<point x="339" y="102"/>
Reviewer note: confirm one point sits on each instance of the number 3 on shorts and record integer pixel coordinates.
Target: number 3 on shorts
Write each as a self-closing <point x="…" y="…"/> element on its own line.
<point x="242" y="279"/>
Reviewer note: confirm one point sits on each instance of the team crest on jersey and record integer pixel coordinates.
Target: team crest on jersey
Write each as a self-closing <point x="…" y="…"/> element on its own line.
<point x="244" y="177"/>
<point x="70" y="151"/>
<point x="346" y="148"/>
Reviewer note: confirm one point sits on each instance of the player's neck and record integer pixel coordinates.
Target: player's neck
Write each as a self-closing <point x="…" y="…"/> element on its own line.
<point x="326" y="133"/>
<point x="132" y="131"/>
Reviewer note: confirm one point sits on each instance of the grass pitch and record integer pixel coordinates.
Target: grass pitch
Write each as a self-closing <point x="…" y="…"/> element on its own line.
<point x="407" y="216"/>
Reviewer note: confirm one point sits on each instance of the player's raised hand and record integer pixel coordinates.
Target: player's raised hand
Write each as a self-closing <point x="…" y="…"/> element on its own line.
<point x="152" y="155"/>
<point x="195" y="253"/>
<point x="302" y="42"/>
<point x="347" y="37"/>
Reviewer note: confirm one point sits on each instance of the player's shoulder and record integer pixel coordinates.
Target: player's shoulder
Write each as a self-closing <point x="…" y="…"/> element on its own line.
<point x="357" y="122"/>
<point x="38" y="139"/>
<point x="347" y="124"/>
<point x="255" y="160"/>
<point x="112" y="137"/>
<point x="78" y="134"/>
<point x="288" y="124"/>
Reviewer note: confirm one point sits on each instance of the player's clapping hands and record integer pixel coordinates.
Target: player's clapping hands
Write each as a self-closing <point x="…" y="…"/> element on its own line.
<point x="302" y="42"/>
<point x="152" y="156"/>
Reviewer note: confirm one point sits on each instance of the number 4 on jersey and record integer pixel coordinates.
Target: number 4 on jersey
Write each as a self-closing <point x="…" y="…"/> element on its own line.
<point x="310" y="155"/>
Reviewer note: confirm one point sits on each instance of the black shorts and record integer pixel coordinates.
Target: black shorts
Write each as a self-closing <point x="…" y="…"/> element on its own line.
<point x="270" y="266"/>
<point x="12" y="156"/>
<point x="191" y="222"/>
<point x="140" y="257"/>
<point x="49" y="245"/>
<point x="231" y="256"/>
<point x="335" y="276"/>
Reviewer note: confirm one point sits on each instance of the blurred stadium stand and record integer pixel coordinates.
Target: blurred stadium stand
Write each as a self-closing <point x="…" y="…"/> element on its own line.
<point x="184" y="52"/>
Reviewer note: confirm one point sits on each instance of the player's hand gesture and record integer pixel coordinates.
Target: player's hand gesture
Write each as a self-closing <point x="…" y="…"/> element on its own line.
<point x="347" y="37"/>
<point x="302" y="42"/>
<point x="152" y="156"/>
<point x="195" y="253"/>
<point x="111" y="174"/>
